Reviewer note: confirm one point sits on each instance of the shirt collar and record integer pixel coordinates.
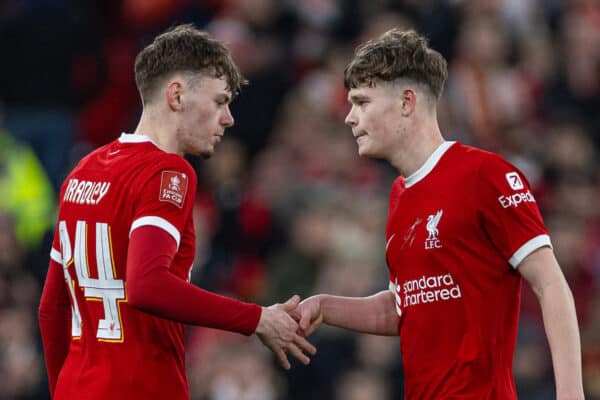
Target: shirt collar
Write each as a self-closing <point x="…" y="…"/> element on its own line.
<point x="134" y="138"/>
<point x="426" y="168"/>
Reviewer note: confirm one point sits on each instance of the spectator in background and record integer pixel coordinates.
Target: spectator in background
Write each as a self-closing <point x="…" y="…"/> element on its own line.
<point x="574" y="90"/>
<point x="27" y="193"/>
<point x="21" y="372"/>
<point x="48" y="74"/>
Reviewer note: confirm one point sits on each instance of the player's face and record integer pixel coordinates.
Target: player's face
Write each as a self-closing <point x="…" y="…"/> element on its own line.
<point x="204" y="116"/>
<point x="374" y="120"/>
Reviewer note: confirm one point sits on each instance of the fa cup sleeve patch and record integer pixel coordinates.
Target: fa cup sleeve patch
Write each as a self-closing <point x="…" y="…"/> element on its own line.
<point x="173" y="187"/>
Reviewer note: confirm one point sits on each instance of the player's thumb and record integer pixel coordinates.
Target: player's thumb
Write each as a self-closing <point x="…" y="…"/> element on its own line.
<point x="292" y="303"/>
<point x="304" y="322"/>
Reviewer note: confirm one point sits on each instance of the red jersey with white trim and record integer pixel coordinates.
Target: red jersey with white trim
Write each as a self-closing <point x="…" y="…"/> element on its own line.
<point x="457" y="231"/>
<point x="118" y="351"/>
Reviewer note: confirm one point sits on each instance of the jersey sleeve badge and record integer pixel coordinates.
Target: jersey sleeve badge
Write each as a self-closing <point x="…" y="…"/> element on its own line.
<point x="173" y="187"/>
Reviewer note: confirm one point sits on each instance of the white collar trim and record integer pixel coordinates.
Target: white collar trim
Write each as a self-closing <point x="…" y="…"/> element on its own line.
<point x="134" y="138"/>
<point x="426" y="168"/>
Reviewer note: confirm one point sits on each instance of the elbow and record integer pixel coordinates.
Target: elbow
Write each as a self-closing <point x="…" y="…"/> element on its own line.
<point x="141" y="293"/>
<point x="135" y="296"/>
<point x="43" y="313"/>
<point x="46" y="312"/>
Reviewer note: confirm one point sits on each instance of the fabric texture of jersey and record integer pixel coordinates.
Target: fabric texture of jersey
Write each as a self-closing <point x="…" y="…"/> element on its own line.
<point x="118" y="188"/>
<point x="457" y="231"/>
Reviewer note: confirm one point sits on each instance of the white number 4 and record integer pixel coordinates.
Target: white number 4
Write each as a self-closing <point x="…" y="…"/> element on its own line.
<point x="105" y="288"/>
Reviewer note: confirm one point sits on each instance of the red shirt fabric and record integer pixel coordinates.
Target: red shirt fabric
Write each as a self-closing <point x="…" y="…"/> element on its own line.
<point x="125" y="235"/>
<point x="457" y="231"/>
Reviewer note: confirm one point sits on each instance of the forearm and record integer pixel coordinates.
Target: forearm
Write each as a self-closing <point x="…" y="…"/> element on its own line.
<point x="154" y="289"/>
<point x="374" y="314"/>
<point x="163" y="294"/>
<point x="560" y="322"/>
<point x="54" y="320"/>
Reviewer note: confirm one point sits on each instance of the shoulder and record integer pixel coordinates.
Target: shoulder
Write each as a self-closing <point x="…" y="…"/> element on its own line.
<point x="173" y="177"/>
<point x="473" y="155"/>
<point x="482" y="162"/>
<point x="83" y="164"/>
<point x="165" y="163"/>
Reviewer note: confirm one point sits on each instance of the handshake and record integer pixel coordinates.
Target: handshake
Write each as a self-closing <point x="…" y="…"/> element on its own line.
<point x="283" y="328"/>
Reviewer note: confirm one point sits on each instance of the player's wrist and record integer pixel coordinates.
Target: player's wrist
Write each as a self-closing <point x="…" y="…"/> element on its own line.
<point x="319" y="302"/>
<point x="570" y="394"/>
<point x="263" y="321"/>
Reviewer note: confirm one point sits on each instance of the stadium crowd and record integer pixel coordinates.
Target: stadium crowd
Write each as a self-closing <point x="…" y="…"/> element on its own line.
<point x="286" y="205"/>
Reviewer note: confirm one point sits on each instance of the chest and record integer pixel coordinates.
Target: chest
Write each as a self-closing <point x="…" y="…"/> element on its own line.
<point x="424" y="225"/>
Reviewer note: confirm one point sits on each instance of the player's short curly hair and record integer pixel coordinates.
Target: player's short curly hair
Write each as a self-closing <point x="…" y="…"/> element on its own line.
<point x="397" y="55"/>
<point x="184" y="49"/>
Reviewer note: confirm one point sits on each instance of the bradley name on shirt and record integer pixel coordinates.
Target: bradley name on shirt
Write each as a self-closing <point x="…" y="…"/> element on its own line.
<point x="85" y="192"/>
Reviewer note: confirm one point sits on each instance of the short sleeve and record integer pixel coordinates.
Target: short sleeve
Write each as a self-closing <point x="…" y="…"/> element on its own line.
<point x="166" y="197"/>
<point x="392" y="283"/>
<point x="509" y="211"/>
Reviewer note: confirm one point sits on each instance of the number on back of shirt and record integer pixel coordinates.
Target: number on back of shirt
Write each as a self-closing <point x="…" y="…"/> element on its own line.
<point x="105" y="288"/>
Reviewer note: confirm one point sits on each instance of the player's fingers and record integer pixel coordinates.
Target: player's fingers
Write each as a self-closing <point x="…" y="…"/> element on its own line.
<point x="304" y="320"/>
<point x="292" y="303"/>
<point x="296" y="352"/>
<point x="305" y="345"/>
<point x="282" y="358"/>
<point x="295" y="315"/>
<point x="314" y="325"/>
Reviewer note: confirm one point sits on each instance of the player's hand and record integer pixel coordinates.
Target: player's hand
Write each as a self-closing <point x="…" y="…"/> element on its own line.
<point x="309" y="315"/>
<point x="278" y="331"/>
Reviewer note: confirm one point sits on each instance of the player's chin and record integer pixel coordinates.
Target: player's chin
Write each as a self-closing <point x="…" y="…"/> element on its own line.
<point x="370" y="153"/>
<point x="364" y="151"/>
<point x="207" y="153"/>
<point x="204" y="152"/>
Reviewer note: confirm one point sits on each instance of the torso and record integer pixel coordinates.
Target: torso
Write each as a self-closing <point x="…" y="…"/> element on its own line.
<point x="458" y="297"/>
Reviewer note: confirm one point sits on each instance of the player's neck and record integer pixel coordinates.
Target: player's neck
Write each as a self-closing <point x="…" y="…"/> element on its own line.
<point x="416" y="149"/>
<point x="153" y="126"/>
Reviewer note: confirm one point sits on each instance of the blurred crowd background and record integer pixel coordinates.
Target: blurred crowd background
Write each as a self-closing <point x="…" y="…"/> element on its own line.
<point x="286" y="205"/>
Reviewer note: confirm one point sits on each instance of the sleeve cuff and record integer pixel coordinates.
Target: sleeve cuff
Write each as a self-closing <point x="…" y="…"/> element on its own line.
<point x="158" y="222"/>
<point x="528" y="248"/>
<point x="255" y="313"/>
<point x="392" y="287"/>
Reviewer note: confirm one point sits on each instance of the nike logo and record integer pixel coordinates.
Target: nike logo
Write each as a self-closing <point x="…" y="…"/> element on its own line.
<point x="112" y="153"/>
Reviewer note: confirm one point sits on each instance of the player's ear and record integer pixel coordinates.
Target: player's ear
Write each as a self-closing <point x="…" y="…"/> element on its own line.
<point x="173" y="95"/>
<point x="408" y="99"/>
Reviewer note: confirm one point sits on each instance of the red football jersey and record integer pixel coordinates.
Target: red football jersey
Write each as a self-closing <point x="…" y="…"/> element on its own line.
<point x="457" y="230"/>
<point x="118" y="351"/>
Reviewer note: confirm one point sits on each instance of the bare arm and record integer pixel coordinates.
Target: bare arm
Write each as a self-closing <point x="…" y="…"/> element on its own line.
<point x="375" y="314"/>
<point x="544" y="275"/>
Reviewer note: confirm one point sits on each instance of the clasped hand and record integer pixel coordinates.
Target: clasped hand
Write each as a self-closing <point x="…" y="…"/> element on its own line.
<point x="283" y="328"/>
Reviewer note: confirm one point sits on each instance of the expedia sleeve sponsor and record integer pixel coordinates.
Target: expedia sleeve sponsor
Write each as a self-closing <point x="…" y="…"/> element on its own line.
<point x="513" y="200"/>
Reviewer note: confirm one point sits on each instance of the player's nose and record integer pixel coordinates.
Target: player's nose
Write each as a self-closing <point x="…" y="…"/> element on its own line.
<point x="351" y="119"/>
<point x="227" y="118"/>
